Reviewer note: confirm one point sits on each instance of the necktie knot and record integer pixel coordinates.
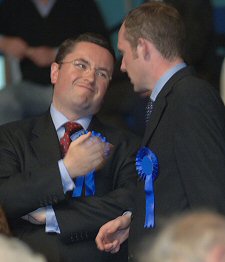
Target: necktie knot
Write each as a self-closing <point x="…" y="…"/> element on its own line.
<point x="70" y="128"/>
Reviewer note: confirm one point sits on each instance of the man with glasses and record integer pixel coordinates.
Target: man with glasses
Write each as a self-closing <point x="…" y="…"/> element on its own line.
<point x="30" y="34"/>
<point x="56" y="199"/>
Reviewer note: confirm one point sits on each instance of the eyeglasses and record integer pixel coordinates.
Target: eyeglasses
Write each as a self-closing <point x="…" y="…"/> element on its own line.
<point x="84" y="66"/>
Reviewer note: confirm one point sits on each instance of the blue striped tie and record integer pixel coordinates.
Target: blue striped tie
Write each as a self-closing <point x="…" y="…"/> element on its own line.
<point x="149" y="109"/>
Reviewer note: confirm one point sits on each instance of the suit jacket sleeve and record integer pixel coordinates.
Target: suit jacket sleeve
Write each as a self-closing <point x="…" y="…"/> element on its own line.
<point x="30" y="178"/>
<point x="26" y="172"/>
<point x="81" y="218"/>
<point x="199" y="145"/>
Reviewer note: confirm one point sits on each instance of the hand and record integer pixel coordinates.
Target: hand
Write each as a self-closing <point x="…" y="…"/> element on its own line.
<point x="42" y="56"/>
<point x="112" y="234"/>
<point x="13" y="46"/>
<point x="85" y="154"/>
<point x="37" y="217"/>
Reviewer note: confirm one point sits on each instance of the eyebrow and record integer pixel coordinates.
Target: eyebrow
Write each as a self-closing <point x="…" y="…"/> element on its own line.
<point x="87" y="62"/>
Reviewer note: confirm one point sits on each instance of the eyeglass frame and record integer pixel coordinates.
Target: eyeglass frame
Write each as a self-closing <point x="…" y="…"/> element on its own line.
<point x="77" y="62"/>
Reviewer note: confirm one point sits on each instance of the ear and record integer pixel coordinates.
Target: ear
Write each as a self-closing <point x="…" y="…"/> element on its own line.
<point x="143" y="49"/>
<point x="54" y="72"/>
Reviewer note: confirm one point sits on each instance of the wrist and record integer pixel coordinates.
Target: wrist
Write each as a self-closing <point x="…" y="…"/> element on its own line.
<point x="127" y="218"/>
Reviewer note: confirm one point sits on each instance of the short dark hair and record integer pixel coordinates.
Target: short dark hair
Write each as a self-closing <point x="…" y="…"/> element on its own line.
<point x="159" y="23"/>
<point x="68" y="45"/>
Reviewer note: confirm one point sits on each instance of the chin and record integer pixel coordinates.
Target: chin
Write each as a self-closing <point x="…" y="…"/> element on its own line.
<point x="82" y="101"/>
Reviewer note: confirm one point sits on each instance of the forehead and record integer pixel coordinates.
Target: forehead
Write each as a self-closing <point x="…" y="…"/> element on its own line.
<point x="93" y="53"/>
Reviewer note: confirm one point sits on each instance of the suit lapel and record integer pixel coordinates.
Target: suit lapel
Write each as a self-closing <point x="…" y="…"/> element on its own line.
<point x="96" y="125"/>
<point x="45" y="141"/>
<point x="161" y="103"/>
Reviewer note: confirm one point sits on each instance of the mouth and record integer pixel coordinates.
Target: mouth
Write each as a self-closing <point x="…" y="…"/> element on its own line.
<point x="86" y="86"/>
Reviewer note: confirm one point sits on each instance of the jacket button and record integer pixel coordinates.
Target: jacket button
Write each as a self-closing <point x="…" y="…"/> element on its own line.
<point x="72" y="238"/>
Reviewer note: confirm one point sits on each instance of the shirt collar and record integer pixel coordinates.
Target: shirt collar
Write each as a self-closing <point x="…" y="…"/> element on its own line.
<point x="162" y="81"/>
<point x="44" y="9"/>
<point x="59" y="119"/>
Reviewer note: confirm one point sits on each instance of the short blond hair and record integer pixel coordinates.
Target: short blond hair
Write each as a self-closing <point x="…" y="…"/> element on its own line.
<point x="159" y="23"/>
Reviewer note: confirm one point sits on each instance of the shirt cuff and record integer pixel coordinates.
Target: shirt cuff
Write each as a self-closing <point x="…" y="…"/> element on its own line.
<point x="51" y="221"/>
<point x="67" y="181"/>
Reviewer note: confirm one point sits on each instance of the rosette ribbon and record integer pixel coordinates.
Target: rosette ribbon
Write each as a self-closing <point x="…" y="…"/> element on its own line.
<point x="89" y="179"/>
<point x="147" y="169"/>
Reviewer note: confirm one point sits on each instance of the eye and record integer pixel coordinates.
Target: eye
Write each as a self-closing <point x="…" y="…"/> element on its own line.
<point x="80" y="65"/>
<point x="102" y="74"/>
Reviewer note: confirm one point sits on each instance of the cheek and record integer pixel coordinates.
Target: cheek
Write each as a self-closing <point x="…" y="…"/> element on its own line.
<point x="101" y="92"/>
<point x="104" y="89"/>
<point x="61" y="87"/>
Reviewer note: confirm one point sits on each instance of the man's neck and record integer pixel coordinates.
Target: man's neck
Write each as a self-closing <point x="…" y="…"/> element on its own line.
<point x="163" y="66"/>
<point x="69" y="114"/>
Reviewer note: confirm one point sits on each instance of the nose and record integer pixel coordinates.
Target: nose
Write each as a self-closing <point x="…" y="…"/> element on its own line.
<point x="90" y="75"/>
<point x="123" y="67"/>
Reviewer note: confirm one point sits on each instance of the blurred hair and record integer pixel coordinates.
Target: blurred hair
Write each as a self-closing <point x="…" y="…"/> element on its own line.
<point x="188" y="238"/>
<point x="12" y="249"/>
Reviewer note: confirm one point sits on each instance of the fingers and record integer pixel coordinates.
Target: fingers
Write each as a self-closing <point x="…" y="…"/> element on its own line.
<point x="41" y="56"/>
<point x="112" y="247"/>
<point x="82" y="139"/>
<point x="112" y="234"/>
<point x="115" y="249"/>
<point x="85" y="154"/>
<point x="97" y="150"/>
<point x="100" y="241"/>
<point x="95" y="144"/>
<point x="15" y="46"/>
<point x="106" y="240"/>
<point x="108" y="149"/>
<point x="105" y="244"/>
<point x="102" y="236"/>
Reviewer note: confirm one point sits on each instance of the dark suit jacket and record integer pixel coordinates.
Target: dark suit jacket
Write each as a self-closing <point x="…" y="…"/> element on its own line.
<point x="29" y="179"/>
<point x="187" y="133"/>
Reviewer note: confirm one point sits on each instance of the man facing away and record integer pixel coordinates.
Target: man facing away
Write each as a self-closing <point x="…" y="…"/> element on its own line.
<point x="185" y="131"/>
<point x="57" y="194"/>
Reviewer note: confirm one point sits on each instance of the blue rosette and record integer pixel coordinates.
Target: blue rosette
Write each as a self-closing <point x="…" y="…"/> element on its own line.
<point x="89" y="179"/>
<point x="147" y="169"/>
